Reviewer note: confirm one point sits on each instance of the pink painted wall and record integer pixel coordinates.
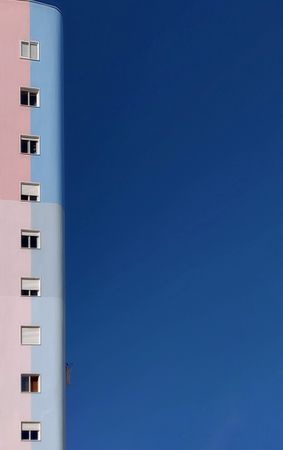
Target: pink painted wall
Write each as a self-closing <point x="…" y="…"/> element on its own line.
<point x="14" y="119"/>
<point x="14" y="312"/>
<point x="14" y="215"/>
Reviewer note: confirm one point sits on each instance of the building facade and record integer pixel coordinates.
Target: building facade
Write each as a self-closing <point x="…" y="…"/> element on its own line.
<point x="31" y="228"/>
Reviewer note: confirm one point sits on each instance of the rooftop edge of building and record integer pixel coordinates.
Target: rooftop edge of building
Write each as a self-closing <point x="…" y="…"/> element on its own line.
<point x="41" y="3"/>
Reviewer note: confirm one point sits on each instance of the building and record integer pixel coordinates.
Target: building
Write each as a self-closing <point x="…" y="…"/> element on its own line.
<point x="31" y="228"/>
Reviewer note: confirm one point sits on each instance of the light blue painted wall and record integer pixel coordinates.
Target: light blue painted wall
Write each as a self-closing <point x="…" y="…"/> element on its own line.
<point x="46" y="121"/>
<point x="48" y="313"/>
<point x="48" y="359"/>
<point x="47" y="262"/>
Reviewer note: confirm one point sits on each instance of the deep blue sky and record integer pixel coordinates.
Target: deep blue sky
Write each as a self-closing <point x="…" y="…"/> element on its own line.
<point x="174" y="224"/>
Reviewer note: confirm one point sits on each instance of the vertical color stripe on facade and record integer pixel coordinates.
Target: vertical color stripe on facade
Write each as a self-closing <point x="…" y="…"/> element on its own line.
<point x="46" y="216"/>
<point x="46" y="27"/>
<point x="14" y="215"/>
<point x="48" y="359"/>
<point x="14" y="119"/>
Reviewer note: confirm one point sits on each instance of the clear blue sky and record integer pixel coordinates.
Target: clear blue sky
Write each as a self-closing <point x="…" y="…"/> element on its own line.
<point x="174" y="224"/>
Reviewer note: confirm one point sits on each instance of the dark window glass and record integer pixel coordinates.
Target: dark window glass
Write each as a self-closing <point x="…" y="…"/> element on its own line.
<point x="25" y="241"/>
<point x="24" y="98"/>
<point x="33" y="241"/>
<point x="33" y="198"/>
<point x="24" y="197"/>
<point x="25" y="383"/>
<point x="25" y="292"/>
<point x="33" y="146"/>
<point x="25" y="435"/>
<point x="33" y="293"/>
<point x="33" y="99"/>
<point x="24" y="146"/>
<point x="34" y="435"/>
<point x="34" y="383"/>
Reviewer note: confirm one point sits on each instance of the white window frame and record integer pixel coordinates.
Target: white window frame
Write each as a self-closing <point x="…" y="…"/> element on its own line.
<point x="30" y="90"/>
<point x="23" y="183"/>
<point x="29" y="375"/>
<point x="30" y="326"/>
<point x="39" y="431"/>
<point x="38" y="239"/>
<point x="29" y="294"/>
<point x="27" y="137"/>
<point x="29" y="44"/>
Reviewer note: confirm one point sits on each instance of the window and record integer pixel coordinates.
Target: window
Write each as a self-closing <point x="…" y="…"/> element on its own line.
<point x="30" y="50"/>
<point x="30" y="145"/>
<point x="30" y="287"/>
<point x="30" y="335"/>
<point x="29" y="97"/>
<point x="30" y="192"/>
<point x="30" y="431"/>
<point x="30" y="239"/>
<point x="30" y="383"/>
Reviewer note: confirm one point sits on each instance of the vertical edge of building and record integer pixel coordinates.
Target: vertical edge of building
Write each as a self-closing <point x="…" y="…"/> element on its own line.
<point x="46" y="121"/>
<point x="31" y="154"/>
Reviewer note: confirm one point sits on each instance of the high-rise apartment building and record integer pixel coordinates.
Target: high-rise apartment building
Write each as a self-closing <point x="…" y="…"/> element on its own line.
<point x="31" y="230"/>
